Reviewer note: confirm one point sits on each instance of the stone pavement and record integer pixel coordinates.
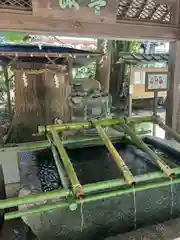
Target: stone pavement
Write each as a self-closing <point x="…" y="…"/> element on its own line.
<point x="169" y="230"/>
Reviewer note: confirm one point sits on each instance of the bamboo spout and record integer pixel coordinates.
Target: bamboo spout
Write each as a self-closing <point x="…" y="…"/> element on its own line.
<point x="77" y="188"/>
<point x="119" y="161"/>
<point x="164" y="167"/>
<point x="59" y="166"/>
<point x="167" y="129"/>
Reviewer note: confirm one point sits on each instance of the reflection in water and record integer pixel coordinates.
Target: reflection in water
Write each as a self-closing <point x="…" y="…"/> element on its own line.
<point x="82" y="216"/>
<point x="159" y="132"/>
<point x="135" y="210"/>
<point x="172" y="198"/>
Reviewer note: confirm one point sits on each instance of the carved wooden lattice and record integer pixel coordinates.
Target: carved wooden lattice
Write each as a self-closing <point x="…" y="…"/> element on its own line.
<point x="16" y="4"/>
<point x="146" y="10"/>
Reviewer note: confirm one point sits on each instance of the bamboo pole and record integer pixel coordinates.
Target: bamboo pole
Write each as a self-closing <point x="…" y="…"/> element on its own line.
<point x="126" y="191"/>
<point x="119" y="161"/>
<point x="139" y="119"/>
<point x="69" y="143"/>
<point x="77" y="188"/>
<point x="33" y="198"/>
<point x="168" y="161"/>
<point x="167" y="129"/>
<point x="35" y="210"/>
<point x="121" y="183"/>
<point x="86" y="124"/>
<point x="164" y="167"/>
<point x="89" y="199"/>
<point x="88" y="189"/>
<point x="77" y="126"/>
<point x="59" y="166"/>
<point x="25" y="146"/>
<point x="76" y="142"/>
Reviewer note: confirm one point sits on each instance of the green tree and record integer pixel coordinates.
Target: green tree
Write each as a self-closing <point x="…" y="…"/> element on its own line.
<point x="119" y="71"/>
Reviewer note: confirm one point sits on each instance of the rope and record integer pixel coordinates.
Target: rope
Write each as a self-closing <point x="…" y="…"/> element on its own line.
<point x="39" y="71"/>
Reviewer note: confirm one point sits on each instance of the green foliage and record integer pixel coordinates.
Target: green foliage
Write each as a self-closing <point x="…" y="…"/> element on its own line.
<point x="2" y="81"/>
<point x="135" y="46"/>
<point x="86" y="71"/>
<point x="14" y="37"/>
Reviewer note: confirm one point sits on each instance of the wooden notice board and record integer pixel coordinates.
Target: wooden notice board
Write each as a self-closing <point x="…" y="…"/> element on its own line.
<point x="156" y="81"/>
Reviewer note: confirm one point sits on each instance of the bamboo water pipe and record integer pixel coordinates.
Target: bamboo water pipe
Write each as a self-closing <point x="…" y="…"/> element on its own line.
<point x="88" y="124"/>
<point x="167" y="129"/>
<point x="109" y="185"/>
<point x="34" y="198"/>
<point x="117" y="158"/>
<point x="96" y="197"/>
<point x="76" y="186"/>
<point x="164" y="167"/>
<point x="59" y="166"/>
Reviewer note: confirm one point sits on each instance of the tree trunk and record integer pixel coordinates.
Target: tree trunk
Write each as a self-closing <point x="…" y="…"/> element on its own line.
<point x="117" y="70"/>
<point x="29" y="103"/>
<point x="9" y="106"/>
<point x="103" y="69"/>
<point x="40" y="102"/>
<point x="29" y="100"/>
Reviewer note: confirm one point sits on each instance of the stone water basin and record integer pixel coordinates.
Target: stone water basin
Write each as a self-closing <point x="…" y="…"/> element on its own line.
<point x="106" y="217"/>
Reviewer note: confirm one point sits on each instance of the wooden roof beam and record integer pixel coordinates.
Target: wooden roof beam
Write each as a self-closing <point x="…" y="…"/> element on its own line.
<point x="120" y="30"/>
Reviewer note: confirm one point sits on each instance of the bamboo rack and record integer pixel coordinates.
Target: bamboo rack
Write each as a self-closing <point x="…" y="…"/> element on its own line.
<point x="117" y="158"/>
<point x="93" y="192"/>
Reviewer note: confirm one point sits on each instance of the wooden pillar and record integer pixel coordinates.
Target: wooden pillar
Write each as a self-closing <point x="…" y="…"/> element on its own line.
<point x="173" y="93"/>
<point x="70" y="80"/>
<point x="70" y="69"/>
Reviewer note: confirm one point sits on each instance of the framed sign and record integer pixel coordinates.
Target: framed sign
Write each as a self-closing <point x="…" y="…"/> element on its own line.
<point x="156" y="81"/>
<point x="102" y="11"/>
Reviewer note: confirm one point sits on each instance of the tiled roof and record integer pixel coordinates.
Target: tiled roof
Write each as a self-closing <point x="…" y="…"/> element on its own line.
<point x="129" y="58"/>
<point x="145" y="10"/>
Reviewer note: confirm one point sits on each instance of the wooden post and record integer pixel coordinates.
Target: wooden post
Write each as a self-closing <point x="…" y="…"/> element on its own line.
<point x="130" y="100"/>
<point x="155" y="110"/>
<point x="70" y="79"/>
<point x="173" y="93"/>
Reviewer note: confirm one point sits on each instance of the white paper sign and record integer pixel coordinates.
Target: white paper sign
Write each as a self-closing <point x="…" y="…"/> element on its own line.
<point x="156" y="81"/>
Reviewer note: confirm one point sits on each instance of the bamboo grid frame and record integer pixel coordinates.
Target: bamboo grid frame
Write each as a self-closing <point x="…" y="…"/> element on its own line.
<point x="75" y="193"/>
